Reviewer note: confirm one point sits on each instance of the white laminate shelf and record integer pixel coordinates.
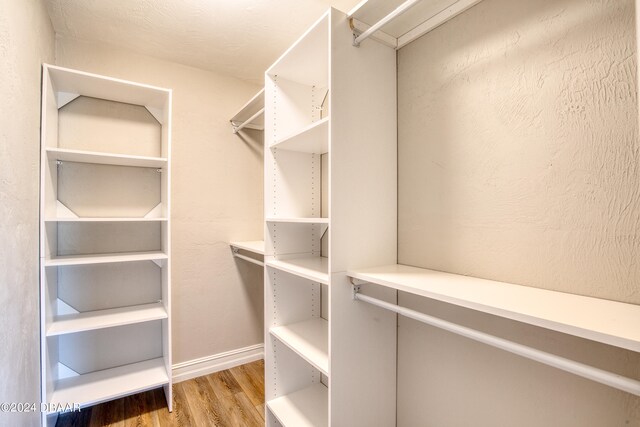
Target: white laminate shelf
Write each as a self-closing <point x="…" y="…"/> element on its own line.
<point x="600" y="320"/>
<point x="299" y="220"/>
<point x="105" y="219"/>
<point x="105" y="258"/>
<point x="308" y="339"/>
<point x="99" y="319"/>
<point x="95" y="387"/>
<point x="313" y="138"/>
<point x="255" y="246"/>
<point x="313" y="268"/>
<point x="308" y="407"/>
<point x="421" y="18"/>
<point x="81" y="156"/>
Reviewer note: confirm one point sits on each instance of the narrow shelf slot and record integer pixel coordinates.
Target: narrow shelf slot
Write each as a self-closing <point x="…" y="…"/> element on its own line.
<point x="95" y="157"/>
<point x="105" y="258"/>
<point x="314" y="138"/>
<point x="99" y="319"/>
<point x="313" y="268"/>
<point x="95" y="387"/>
<point x="308" y="407"/>
<point x="309" y="340"/>
<point x="256" y="246"/>
<point x="300" y="220"/>
<point x="609" y="322"/>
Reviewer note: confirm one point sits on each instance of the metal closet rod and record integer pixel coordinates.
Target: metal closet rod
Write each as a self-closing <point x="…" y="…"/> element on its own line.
<point x="246" y="258"/>
<point x="595" y="374"/>
<point x="241" y="126"/>
<point x="384" y="21"/>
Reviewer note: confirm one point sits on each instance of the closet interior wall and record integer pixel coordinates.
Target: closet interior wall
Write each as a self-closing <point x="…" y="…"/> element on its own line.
<point x="517" y="142"/>
<point x="27" y="41"/>
<point x="216" y="198"/>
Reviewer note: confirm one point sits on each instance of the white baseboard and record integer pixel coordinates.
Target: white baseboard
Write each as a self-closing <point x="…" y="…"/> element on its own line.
<point x="216" y="362"/>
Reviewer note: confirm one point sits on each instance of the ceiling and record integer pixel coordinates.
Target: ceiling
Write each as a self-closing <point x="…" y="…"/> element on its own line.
<point x="235" y="37"/>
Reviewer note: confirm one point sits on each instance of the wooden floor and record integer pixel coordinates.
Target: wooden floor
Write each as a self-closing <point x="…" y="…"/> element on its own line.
<point x="234" y="397"/>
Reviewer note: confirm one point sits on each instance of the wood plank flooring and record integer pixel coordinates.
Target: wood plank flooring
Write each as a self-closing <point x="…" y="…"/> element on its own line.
<point x="231" y="398"/>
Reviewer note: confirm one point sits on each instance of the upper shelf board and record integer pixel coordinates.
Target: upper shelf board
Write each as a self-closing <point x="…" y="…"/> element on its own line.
<point x="95" y="157"/>
<point x="256" y="246"/>
<point x="73" y="82"/>
<point x="313" y="138"/>
<point x="609" y="322"/>
<point x="421" y="18"/>
<point x="307" y="61"/>
<point x="250" y="110"/>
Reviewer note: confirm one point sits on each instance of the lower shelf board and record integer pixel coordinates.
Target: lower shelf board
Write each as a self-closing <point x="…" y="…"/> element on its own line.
<point x="308" y="407"/>
<point x="100" y="386"/>
<point x="313" y="268"/>
<point x="72" y="323"/>
<point x="105" y="258"/>
<point x="309" y="339"/>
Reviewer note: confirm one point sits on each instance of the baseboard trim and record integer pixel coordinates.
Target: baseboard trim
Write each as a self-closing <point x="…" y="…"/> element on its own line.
<point x="216" y="362"/>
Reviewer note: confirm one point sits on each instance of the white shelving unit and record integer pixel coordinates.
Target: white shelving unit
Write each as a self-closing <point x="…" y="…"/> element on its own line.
<point x="326" y="162"/>
<point x="105" y="238"/>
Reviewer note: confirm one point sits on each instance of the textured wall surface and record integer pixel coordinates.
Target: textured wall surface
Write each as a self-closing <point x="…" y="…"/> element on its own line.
<point x="238" y="38"/>
<point x="26" y="40"/>
<point x="518" y="162"/>
<point x="216" y="197"/>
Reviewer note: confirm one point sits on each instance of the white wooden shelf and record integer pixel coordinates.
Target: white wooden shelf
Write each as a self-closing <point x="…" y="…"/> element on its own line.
<point x="256" y="246"/>
<point x="605" y="321"/>
<point x="110" y="219"/>
<point x="90" y="389"/>
<point x="313" y="268"/>
<point x="309" y="340"/>
<point x="95" y="157"/>
<point x="299" y="220"/>
<point x="105" y="258"/>
<point x="253" y="112"/>
<point x="308" y="407"/>
<point x="421" y="18"/>
<point x="313" y="138"/>
<point x="99" y="319"/>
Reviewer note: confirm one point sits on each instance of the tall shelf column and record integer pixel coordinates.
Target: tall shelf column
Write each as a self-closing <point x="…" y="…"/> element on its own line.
<point x="105" y="252"/>
<point x="330" y="205"/>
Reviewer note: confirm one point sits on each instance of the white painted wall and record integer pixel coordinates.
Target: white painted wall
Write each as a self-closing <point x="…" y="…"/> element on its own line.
<point x="518" y="161"/>
<point x="216" y="197"/>
<point x="26" y="40"/>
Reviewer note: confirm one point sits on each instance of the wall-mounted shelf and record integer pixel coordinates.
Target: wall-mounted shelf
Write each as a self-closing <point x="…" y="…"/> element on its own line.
<point x="81" y="156"/>
<point x="312" y="138"/>
<point x="87" y="321"/>
<point x="104" y="258"/>
<point x="309" y="339"/>
<point x="399" y="28"/>
<point x="255" y="246"/>
<point x="105" y="219"/>
<point x="251" y="115"/>
<point x="108" y="384"/>
<point x="605" y="321"/>
<point x="314" y="268"/>
<point x="299" y="220"/>
<point x="304" y="408"/>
